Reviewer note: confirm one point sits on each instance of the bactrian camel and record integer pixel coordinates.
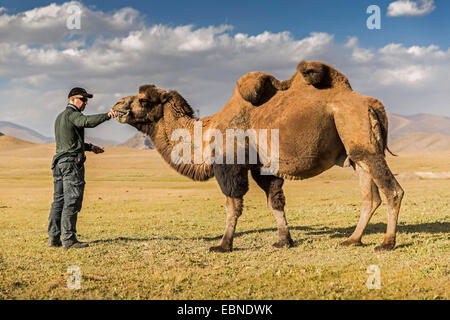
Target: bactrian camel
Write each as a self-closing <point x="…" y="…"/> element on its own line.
<point x="322" y="122"/>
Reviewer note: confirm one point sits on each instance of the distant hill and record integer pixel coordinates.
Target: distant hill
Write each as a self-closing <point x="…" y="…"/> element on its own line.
<point x="12" y="143"/>
<point x="400" y="126"/>
<point x="421" y="142"/>
<point x="26" y="134"/>
<point x="139" y="141"/>
<point x="101" y="142"/>
<point x="1" y="134"/>
<point x="23" y="133"/>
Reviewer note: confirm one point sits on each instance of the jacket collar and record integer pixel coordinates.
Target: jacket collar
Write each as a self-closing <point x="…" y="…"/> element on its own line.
<point x="69" y="105"/>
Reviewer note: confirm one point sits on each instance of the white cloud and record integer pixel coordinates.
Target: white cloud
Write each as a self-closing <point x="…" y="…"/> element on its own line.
<point x="404" y="75"/>
<point x="410" y="8"/>
<point x="359" y="55"/>
<point x="46" y="25"/>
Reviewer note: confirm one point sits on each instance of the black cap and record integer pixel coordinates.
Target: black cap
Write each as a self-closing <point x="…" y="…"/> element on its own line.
<point x="80" y="91"/>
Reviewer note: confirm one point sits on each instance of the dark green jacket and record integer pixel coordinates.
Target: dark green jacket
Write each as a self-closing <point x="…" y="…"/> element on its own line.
<point x="69" y="131"/>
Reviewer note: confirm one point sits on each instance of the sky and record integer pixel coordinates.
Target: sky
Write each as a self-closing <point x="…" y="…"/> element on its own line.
<point x="201" y="48"/>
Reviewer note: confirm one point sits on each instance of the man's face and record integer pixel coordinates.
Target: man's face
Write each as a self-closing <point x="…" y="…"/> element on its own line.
<point x="79" y="101"/>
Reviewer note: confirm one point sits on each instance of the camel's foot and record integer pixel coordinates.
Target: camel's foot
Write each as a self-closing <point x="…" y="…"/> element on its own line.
<point x="220" y="249"/>
<point x="284" y="243"/>
<point x="385" y="246"/>
<point x="351" y="242"/>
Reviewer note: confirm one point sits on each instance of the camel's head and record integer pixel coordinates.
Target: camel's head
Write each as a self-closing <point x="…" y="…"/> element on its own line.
<point x="144" y="108"/>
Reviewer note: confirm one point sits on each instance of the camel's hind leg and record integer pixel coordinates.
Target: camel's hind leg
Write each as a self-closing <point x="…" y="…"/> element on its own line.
<point x="272" y="186"/>
<point x="371" y="201"/>
<point x="382" y="176"/>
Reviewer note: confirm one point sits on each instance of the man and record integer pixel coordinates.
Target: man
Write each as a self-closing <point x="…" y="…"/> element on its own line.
<point x="68" y="168"/>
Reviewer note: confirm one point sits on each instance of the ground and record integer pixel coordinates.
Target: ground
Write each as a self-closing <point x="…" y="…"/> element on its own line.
<point x="150" y="229"/>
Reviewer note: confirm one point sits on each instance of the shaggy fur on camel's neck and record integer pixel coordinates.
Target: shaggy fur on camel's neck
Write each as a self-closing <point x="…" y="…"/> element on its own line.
<point x="177" y="114"/>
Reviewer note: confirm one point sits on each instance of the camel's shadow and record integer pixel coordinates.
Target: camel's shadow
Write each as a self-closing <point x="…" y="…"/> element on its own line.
<point x="429" y="227"/>
<point x="432" y="227"/>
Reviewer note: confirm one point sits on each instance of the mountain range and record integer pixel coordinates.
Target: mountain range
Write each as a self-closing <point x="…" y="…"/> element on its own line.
<point x="139" y="141"/>
<point x="400" y="126"/>
<point x="23" y="133"/>
<point x="420" y="132"/>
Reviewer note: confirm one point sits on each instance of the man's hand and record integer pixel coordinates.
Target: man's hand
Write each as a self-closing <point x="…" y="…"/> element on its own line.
<point x="96" y="149"/>
<point x="113" y="114"/>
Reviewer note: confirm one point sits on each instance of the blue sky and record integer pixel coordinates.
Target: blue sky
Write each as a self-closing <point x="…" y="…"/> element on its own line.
<point x="200" y="48"/>
<point x="340" y="17"/>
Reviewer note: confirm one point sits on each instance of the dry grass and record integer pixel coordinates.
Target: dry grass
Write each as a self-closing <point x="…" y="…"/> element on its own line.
<point x="150" y="230"/>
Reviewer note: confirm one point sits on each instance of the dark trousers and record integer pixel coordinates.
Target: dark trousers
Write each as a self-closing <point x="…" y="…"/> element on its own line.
<point x="67" y="199"/>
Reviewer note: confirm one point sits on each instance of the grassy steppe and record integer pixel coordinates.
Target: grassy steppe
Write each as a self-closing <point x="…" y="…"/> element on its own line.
<point x="150" y="229"/>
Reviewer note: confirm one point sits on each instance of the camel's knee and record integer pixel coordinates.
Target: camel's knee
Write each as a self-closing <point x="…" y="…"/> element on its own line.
<point x="277" y="200"/>
<point x="234" y="206"/>
<point x="398" y="194"/>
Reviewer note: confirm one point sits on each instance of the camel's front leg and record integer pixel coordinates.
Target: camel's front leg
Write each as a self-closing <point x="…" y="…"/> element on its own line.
<point x="233" y="181"/>
<point x="233" y="208"/>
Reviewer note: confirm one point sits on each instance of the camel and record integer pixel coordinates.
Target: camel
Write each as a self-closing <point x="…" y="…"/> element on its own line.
<point x="321" y="122"/>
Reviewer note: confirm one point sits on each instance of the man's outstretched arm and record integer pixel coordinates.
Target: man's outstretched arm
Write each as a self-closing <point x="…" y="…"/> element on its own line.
<point x="83" y="121"/>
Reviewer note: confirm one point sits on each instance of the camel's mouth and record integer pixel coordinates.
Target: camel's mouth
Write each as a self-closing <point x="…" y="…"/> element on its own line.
<point x="123" y="111"/>
<point x="122" y="118"/>
<point x="123" y="114"/>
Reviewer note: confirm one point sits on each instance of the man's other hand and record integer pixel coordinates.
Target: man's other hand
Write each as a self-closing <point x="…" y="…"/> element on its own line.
<point x="113" y="114"/>
<point x="96" y="149"/>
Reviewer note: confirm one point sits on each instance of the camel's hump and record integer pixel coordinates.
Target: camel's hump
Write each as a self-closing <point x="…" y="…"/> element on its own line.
<point x="258" y="87"/>
<point x="322" y="75"/>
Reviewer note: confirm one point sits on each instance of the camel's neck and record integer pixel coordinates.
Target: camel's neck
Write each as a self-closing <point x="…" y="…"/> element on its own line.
<point x="160" y="134"/>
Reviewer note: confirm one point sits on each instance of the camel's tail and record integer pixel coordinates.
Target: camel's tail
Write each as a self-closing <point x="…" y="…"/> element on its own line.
<point x="379" y="120"/>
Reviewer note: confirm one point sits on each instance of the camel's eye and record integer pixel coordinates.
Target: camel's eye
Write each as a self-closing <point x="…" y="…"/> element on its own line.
<point x="144" y="101"/>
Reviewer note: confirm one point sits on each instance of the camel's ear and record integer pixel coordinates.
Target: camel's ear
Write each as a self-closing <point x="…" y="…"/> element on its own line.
<point x="163" y="95"/>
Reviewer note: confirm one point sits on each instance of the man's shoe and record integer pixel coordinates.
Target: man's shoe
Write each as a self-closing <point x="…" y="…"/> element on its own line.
<point x="54" y="242"/>
<point x="76" y="245"/>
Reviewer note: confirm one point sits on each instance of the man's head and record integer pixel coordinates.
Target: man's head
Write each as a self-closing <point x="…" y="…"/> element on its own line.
<point x="79" y="98"/>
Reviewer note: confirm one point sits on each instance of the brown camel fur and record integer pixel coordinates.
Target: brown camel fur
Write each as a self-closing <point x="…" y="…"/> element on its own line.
<point x="321" y="122"/>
